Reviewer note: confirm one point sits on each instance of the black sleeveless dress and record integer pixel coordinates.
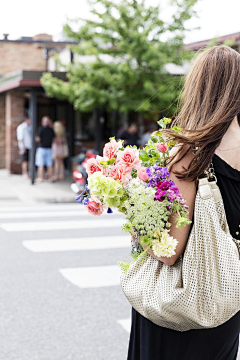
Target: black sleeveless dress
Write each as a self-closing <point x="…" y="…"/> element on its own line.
<point x="151" y="342"/>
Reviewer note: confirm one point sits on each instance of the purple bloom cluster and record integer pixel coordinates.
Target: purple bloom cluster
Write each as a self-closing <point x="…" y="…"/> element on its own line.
<point x="158" y="179"/>
<point x="166" y="187"/>
<point x="84" y="196"/>
<point x="156" y="174"/>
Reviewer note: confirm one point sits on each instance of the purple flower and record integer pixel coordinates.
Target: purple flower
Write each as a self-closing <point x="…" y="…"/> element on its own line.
<point x="174" y="189"/>
<point x="182" y="202"/>
<point x="164" y="185"/>
<point x="86" y="201"/>
<point x="172" y="195"/>
<point x="159" y="195"/>
<point x="148" y="171"/>
<point x="79" y="198"/>
<point x="157" y="174"/>
<point x="164" y="172"/>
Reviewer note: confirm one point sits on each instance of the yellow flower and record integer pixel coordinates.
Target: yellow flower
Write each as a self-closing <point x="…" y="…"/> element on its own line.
<point x="164" y="245"/>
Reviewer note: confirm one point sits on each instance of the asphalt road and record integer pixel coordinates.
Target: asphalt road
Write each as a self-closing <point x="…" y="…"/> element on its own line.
<point x="60" y="296"/>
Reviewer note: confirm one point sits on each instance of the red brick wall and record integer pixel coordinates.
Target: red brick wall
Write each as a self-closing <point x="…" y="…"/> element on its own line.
<point x="17" y="56"/>
<point x="14" y="117"/>
<point x="2" y="131"/>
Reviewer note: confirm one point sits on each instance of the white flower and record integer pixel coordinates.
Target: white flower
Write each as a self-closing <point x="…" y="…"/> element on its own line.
<point x="165" y="245"/>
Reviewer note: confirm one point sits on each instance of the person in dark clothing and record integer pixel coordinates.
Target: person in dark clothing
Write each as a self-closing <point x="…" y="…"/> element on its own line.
<point x="130" y="136"/>
<point x="44" y="151"/>
<point x="210" y="123"/>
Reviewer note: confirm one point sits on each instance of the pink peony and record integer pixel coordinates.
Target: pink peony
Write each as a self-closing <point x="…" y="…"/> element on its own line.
<point x="162" y="147"/>
<point x="130" y="158"/>
<point x="141" y="173"/>
<point x="94" y="207"/>
<point x="111" y="148"/>
<point x="120" y="172"/>
<point x="92" y="166"/>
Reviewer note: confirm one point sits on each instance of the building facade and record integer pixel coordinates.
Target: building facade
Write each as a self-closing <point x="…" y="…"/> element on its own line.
<point x="22" y="63"/>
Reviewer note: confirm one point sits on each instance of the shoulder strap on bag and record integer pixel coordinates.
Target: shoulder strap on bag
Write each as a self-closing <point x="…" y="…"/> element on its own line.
<point x="208" y="185"/>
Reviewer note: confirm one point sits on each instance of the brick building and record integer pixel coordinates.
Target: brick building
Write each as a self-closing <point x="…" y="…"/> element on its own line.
<point x="22" y="63"/>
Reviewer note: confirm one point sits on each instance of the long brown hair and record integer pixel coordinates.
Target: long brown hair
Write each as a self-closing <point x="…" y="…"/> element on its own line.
<point x="210" y="101"/>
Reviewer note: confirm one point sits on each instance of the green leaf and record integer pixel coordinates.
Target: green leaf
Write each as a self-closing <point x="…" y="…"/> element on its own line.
<point x="143" y="155"/>
<point x="104" y="164"/>
<point x="134" y="173"/>
<point x="109" y="162"/>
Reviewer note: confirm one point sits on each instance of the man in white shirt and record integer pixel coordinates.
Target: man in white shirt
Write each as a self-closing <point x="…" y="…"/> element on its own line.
<point x="24" y="144"/>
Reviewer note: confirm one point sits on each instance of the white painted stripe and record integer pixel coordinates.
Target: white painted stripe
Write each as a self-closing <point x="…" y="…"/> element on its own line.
<point x="126" y="324"/>
<point x="39" y="207"/>
<point x="93" y="277"/>
<point x="62" y="225"/>
<point x="43" y="214"/>
<point x="88" y="243"/>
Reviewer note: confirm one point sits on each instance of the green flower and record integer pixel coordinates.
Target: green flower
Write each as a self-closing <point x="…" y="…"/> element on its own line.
<point x="97" y="183"/>
<point x="103" y="186"/>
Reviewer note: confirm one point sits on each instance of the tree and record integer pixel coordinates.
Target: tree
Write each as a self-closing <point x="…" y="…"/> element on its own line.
<point x="129" y="46"/>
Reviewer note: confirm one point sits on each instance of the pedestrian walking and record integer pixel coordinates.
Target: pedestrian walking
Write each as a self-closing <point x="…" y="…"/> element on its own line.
<point x="44" y="151"/>
<point x="209" y="141"/>
<point x="24" y="144"/>
<point x="59" y="150"/>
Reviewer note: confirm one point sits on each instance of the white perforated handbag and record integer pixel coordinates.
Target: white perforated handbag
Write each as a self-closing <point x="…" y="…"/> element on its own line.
<point x="202" y="289"/>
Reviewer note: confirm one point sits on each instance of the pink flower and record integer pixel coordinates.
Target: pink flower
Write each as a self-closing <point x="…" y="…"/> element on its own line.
<point x="111" y="148"/>
<point x="94" y="207"/>
<point x="92" y="166"/>
<point x="162" y="147"/>
<point x="120" y="172"/>
<point x="130" y="158"/>
<point x="141" y="173"/>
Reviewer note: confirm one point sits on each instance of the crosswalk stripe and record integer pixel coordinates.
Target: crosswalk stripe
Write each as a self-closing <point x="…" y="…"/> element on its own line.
<point x="88" y="243"/>
<point x="40" y="207"/>
<point x="62" y="225"/>
<point x="125" y="323"/>
<point x="42" y="214"/>
<point x="93" y="277"/>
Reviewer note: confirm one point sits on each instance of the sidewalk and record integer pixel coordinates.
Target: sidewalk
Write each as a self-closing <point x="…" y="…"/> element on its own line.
<point x="14" y="189"/>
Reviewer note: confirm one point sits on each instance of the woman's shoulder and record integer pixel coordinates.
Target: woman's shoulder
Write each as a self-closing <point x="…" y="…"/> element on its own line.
<point x="181" y="156"/>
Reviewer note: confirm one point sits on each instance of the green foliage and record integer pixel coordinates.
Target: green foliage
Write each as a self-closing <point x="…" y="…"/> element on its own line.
<point x="149" y="154"/>
<point x="128" y="50"/>
<point x="124" y="266"/>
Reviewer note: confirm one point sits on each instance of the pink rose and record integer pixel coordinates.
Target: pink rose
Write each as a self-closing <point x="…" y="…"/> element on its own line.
<point x="92" y="166"/>
<point x="141" y="173"/>
<point x="162" y="147"/>
<point x="120" y="172"/>
<point x="94" y="207"/>
<point x="111" y="148"/>
<point x="130" y="158"/>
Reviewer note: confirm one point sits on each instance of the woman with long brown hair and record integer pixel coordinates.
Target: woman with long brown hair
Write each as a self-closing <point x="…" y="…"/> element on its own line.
<point x="210" y="122"/>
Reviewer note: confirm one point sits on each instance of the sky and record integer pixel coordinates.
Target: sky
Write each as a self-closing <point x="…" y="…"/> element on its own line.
<point x="27" y="17"/>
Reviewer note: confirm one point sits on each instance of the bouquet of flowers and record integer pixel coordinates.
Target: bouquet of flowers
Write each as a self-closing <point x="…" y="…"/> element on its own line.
<point x="137" y="183"/>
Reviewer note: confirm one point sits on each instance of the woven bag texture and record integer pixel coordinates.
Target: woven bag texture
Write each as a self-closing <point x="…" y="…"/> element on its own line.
<point x="202" y="289"/>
